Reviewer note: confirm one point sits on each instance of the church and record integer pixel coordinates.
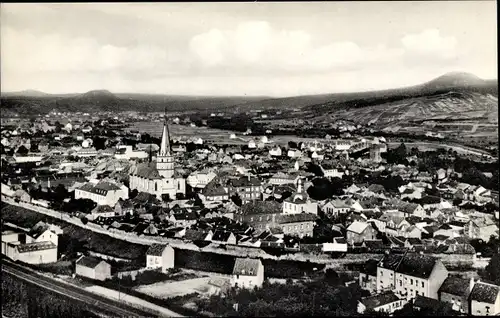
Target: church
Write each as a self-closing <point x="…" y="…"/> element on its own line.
<point x="159" y="177"/>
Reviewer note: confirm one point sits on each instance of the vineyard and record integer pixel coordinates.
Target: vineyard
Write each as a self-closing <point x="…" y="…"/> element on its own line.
<point x="24" y="300"/>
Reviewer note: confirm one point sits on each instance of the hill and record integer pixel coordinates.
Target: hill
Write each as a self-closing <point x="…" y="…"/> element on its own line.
<point x="449" y="95"/>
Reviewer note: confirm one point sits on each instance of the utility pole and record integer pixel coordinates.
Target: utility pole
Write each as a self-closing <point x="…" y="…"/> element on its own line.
<point x="314" y="296"/>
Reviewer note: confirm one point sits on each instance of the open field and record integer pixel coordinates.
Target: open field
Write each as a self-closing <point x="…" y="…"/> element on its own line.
<point x="174" y="289"/>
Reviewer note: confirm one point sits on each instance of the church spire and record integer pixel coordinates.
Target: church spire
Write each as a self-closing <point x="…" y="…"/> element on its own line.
<point x="165" y="149"/>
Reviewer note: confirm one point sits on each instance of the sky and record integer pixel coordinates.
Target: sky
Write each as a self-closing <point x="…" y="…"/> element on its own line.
<point x="271" y="49"/>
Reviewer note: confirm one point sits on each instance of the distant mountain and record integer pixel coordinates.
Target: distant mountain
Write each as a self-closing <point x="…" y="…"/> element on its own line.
<point x="27" y="93"/>
<point x="467" y="91"/>
<point x="455" y="79"/>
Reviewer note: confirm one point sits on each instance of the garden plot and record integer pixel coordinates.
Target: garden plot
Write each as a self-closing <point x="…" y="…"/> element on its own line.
<point x="174" y="289"/>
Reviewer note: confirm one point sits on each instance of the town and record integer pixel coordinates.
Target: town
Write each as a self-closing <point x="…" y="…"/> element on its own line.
<point x="399" y="228"/>
<point x="249" y="159"/>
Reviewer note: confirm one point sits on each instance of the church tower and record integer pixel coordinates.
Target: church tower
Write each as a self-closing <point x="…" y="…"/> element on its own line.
<point x="165" y="159"/>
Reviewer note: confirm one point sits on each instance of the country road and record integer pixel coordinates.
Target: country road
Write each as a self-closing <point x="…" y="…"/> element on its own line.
<point x="97" y="302"/>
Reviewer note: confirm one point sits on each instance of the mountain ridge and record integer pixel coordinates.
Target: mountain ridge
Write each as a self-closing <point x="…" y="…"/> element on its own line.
<point x="104" y="100"/>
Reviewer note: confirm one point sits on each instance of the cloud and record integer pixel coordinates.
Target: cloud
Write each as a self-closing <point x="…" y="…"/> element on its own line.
<point x="24" y="52"/>
<point x="430" y="43"/>
<point x="257" y="45"/>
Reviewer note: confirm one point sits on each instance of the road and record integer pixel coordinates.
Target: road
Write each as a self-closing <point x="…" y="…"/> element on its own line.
<point x="99" y="303"/>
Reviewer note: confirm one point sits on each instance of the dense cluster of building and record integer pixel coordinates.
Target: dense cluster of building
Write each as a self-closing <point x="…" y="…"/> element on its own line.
<point x="258" y="195"/>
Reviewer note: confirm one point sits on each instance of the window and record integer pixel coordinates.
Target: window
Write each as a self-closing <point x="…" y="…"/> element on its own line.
<point x="400" y="282"/>
<point x="423" y="284"/>
<point x="381" y="273"/>
<point x="411" y="281"/>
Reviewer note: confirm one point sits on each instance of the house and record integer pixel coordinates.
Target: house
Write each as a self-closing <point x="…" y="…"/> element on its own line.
<point x="297" y="224"/>
<point x="276" y="152"/>
<point x="386" y="302"/>
<point x="218" y="286"/>
<point x="42" y="232"/>
<point x="259" y="214"/>
<point x="331" y="170"/>
<point x="160" y="256"/>
<point x="411" y="274"/>
<point x="247" y="273"/>
<point x="427" y="303"/>
<point x="15" y="247"/>
<point x="102" y="193"/>
<point x="299" y="202"/>
<point x="335" y="207"/>
<point x="200" y="179"/>
<point x="93" y="268"/>
<point x="484" y="299"/>
<point x="213" y="192"/>
<point x="357" y="232"/>
<point x="124" y="207"/>
<point x="481" y="227"/>
<point x="456" y="291"/>
<point x="184" y="218"/>
<point x="248" y="188"/>
<point x="101" y="211"/>
<point x="339" y="245"/>
<point x="281" y="178"/>
<point x="223" y="237"/>
<point x="368" y="276"/>
<point x="198" y="235"/>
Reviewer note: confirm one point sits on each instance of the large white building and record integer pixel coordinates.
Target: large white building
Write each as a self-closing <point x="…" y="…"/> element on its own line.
<point x="102" y="193"/>
<point x="159" y="177"/>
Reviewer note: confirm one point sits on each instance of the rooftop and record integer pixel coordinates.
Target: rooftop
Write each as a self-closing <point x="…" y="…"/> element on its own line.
<point x="246" y="266"/>
<point x="484" y="292"/>
<point x="156" y="249"/>
<point x="375" y="301"/>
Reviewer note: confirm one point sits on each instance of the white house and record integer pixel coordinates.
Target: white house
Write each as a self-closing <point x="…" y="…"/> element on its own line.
<point x="200" y="179"/>
<point x="299" y="202"/>
<point x="160" y="256"/>
<point x="93" y="268"/>
<point x="294" y="153"/>
<point x="102" y="193"/>
<point x="386" y="302"/>
<point x="485" y="299"/>
<point x="127" y="153"/>
<point x="247" y="273"/>
<point x="275" y="152"/>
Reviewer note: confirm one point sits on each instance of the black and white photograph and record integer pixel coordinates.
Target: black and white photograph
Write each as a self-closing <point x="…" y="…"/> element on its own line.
<point x="249" y="159"/>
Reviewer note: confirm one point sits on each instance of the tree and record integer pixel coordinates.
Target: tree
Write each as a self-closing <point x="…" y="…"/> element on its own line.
<point x="321" y="189"/>
<point x="84" y="220"/>
<point x="236" y="199"/>
<point x="292" y="145"/>
<point x="22" y="150"/>
<point x="99" y="143"/>
<point x="492" y="270"/>
<point x="133" y="194"/>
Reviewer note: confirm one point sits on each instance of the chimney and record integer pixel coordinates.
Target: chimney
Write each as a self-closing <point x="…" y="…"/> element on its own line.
<point x="248" y="177"/>
<point x="471" y="284"/>
<point x="299" y="186"/>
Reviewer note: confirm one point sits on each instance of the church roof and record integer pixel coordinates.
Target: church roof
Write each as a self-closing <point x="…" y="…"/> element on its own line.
<point x="147" y="170"/>
<point x="165" y="148"/>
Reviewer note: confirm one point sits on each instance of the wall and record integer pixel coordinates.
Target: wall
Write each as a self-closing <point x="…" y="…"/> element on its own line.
<point x="132" y="274"/>
<point x="452" y="299"/>
<point x="84" y="271"/>
<point x="39" y="257"/>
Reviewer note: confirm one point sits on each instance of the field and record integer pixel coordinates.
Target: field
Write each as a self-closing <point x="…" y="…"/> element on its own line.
<point x="174" y="289"/>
